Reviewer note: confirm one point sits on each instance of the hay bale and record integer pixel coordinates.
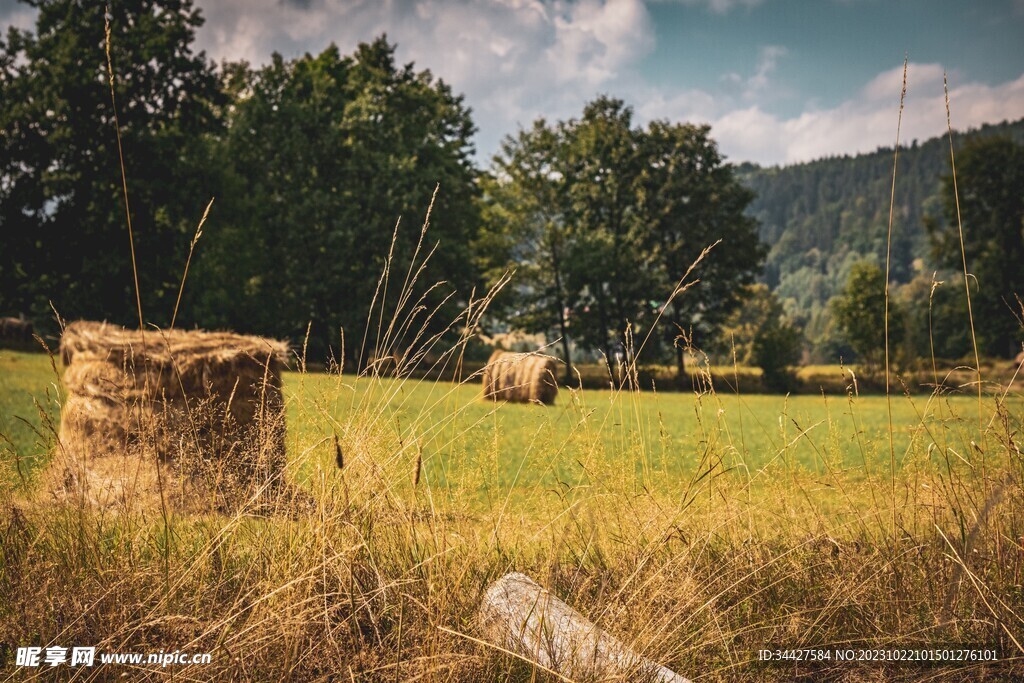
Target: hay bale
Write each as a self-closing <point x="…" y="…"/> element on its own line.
<point x="16" y="333"/>
<point x="520" y="378"/>
<point x="194" y="417"/>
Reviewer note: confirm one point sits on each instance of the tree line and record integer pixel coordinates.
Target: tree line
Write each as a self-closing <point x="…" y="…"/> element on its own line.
<point x="312" y="161"/>
<point x="824" y="217"/>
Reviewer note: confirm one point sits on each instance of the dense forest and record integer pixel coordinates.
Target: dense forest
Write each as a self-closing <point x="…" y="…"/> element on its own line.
<point x="822" y="217"/>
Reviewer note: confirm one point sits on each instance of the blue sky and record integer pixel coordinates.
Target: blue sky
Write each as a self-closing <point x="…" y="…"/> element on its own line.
<point x="829" y="47"/>
<point x="779" y="81"/>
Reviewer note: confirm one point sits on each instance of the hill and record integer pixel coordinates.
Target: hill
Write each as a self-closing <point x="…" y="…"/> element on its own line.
<point x="821" y="217"/>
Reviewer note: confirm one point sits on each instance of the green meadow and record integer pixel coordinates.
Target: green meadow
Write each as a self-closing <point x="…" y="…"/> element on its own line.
<point x="472" y="449"/>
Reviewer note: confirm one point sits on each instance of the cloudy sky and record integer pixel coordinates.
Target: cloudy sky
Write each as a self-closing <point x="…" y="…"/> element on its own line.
<point x="779" y="81"/>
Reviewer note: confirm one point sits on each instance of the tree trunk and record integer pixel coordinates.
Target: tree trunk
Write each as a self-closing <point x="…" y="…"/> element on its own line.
<point x="563" y="326"/>
<point x="568" y="357"/>
<point x="680" y="363"/>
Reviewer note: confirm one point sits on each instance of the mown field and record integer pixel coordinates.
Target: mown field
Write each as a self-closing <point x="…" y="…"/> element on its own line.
<point x="468" y="446"/>
<point x="697" y="527"/>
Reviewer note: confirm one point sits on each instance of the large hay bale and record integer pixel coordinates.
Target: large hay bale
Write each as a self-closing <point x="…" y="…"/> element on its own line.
<point x="179" y="415"/>
<point x="520" y="378"/>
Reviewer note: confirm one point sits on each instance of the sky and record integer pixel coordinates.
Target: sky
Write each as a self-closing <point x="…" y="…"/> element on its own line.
<point x="779" y="81"/>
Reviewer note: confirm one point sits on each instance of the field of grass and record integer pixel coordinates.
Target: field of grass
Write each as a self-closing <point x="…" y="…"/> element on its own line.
<point x="471" y="449"/>
<point x="699" y="528"/>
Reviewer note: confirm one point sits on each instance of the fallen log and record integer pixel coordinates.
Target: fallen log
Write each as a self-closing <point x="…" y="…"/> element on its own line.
<point x="520" y="616"/>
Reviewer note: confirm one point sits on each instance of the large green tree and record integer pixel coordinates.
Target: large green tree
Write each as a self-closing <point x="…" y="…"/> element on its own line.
<point x="990" y="182"/>
<point x="614" y="270"/>
<point x="525" y="214"/>
<point x="690" y="200"/>
<point x="62" y="217"/>
<point x="604" y="218"/>
<point x="563" y="198"/>
<point x="323" y="155"/>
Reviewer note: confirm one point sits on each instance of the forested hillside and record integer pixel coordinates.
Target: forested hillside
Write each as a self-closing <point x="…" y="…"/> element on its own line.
<point x="821" y="217"/>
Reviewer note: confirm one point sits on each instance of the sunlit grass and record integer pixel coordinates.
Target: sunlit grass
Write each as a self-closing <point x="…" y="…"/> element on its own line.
<point x="697" y="527"/>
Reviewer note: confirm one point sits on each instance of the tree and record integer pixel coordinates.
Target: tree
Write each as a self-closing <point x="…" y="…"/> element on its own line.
<point x="605" y="219"/>
<point x="324" y="154"/>
<point x="776" y="348"/>
<point x="563" y="199"/>
<point x="62" y="215"/>
<point x="613" y="269"/>
<point x="935" y="318"/>
<point x="859" y="314"/>
<point x="760" y="335"/>
<point x="526" y="229"/>
<point x="690" y="199"/>
<point x="990" y="178"/>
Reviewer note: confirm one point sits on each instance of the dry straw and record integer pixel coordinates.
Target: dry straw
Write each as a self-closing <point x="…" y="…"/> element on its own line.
<point x="186" y="414"/>
<point x="520" y="378"/>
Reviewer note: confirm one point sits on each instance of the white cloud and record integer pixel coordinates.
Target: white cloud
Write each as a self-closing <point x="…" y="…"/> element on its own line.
<point x="735" y="108"/>
<point x="766" y="64"/>
<point x="513" y="59"/>
<point x="754" y="86"/>
<point x="868" y="121"/>
<point x="517" y="60"/>
<point x="690" y="105"/>
<point x="746" y="131"/>
<point x="889" y="84"/>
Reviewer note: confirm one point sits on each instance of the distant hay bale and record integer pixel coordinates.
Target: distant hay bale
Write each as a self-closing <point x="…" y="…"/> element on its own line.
<point x="520" y="378"/>
<point x="16" y="333"/>
<point x="193" y="417"/>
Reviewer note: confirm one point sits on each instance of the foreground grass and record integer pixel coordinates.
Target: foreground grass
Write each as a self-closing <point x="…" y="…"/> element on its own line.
<point x="698" y="528"/>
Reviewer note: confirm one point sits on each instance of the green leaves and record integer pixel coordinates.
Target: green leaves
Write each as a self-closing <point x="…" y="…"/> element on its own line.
<point x="61" y="210"/>
<point x="603" y="218"/>
<point x="859" y="313"/>
<point x="323" y="155"/>
<point x="990" y="177"/>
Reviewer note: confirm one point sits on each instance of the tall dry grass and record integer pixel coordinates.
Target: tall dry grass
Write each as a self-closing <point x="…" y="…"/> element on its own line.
<point x="382" y="579"/>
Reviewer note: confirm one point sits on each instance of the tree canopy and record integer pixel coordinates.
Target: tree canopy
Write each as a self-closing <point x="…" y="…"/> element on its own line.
<point x="323" y="154"/>
<point x="615" y="215"/>
<point x="860" y="311"/>
<point x="990" y="183"/>
<point x="61" y="206"/>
